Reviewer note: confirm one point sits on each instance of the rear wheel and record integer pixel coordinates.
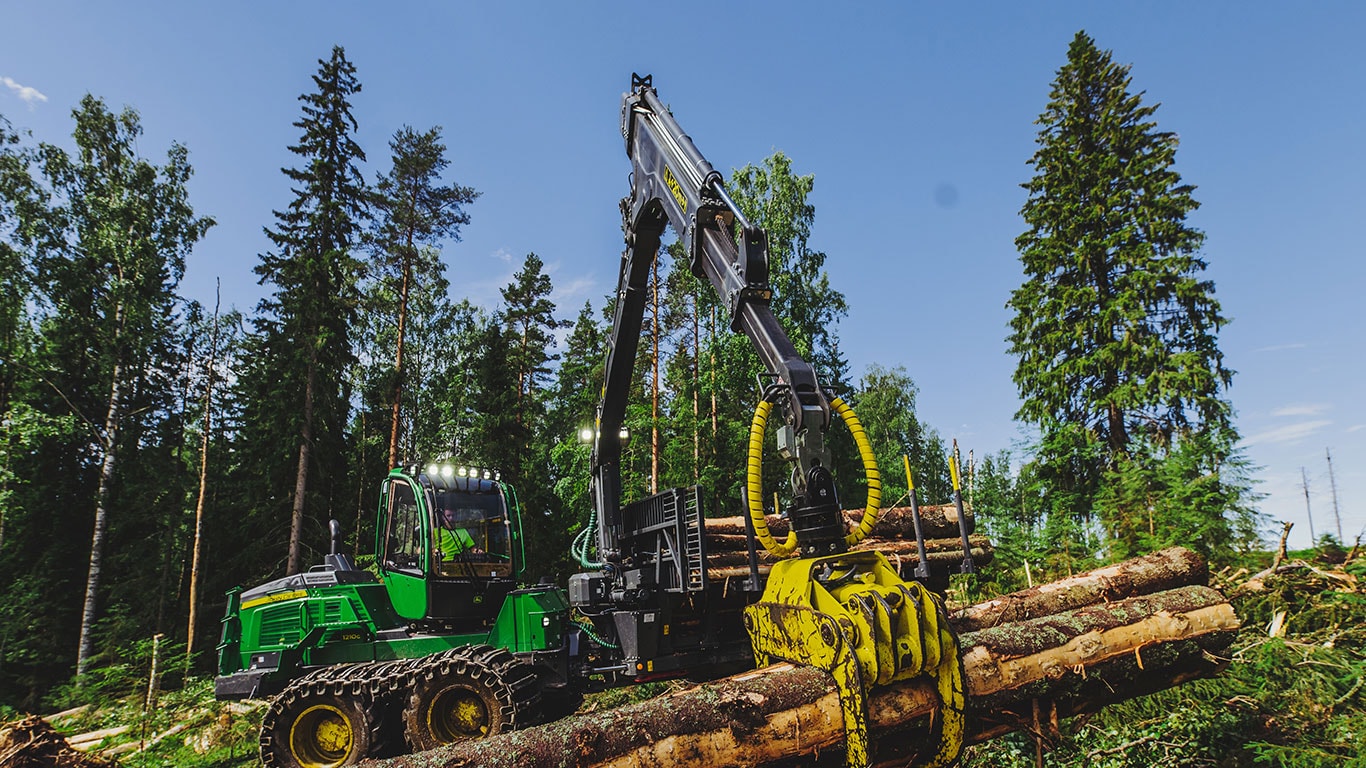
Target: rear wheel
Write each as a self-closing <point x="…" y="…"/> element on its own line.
<point x="469" y="693"/>
<point x="310" y="728"/>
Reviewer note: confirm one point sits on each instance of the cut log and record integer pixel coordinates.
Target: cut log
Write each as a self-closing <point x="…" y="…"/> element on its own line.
<point x="1166" y="569"/>
<point x="938" y="521"/>
<point x="900" y="551"/>
<point x="784" y="715"/>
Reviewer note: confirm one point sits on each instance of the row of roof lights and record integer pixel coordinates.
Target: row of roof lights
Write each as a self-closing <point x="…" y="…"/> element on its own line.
<point x="449" y="471"/>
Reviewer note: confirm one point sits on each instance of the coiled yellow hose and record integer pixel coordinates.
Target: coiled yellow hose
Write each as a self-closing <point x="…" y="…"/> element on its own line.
<point x="755" y="487"/>
<point x="874" y="478"/>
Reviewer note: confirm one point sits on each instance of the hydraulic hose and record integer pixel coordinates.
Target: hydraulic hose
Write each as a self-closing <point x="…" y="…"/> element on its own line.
<point x="754" y="485"/>
<point x="755" y="488"/>
<point x="873" y="477"/>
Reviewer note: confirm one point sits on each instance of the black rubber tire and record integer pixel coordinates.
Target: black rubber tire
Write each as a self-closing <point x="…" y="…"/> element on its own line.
<point x="559" y="703"/>
<point x="469" y="693"/>
<point x="308" y="726"/>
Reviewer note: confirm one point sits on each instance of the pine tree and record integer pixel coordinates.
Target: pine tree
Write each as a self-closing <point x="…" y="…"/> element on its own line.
<point x="415" y="213"/>
<point x="298" y="403"/>
<point x="1114" y="327"/>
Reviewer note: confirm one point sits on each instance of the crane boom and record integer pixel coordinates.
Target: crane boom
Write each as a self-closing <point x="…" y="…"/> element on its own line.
<point x="673" y="184"/>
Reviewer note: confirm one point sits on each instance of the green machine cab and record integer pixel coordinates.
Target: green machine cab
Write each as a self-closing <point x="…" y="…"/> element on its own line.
<point x="444" y="612"/>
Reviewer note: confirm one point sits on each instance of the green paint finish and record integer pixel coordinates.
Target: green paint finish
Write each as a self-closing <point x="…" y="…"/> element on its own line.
<point x="424" y="645"/>
<point x="407" y="593"/>
<point x="531" y="620"/>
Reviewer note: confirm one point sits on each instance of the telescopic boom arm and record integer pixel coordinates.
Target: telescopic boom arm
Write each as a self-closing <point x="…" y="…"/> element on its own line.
<point x="674" y="185"/>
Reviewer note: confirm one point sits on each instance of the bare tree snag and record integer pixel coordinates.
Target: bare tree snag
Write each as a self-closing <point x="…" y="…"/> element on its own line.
<point x="197" y="546"/>
<point x="1280" y="548"/>
<point x="785" y="715"/>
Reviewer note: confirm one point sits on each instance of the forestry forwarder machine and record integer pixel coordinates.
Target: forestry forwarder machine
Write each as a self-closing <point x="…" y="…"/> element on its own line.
<point x="445" y="647"/>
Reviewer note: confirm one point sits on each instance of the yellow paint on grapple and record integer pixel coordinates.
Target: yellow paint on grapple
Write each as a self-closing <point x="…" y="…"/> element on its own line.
<point x="852" y="615"/>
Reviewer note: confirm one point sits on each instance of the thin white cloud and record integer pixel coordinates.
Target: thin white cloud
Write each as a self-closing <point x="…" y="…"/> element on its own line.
<point x="1289" y="433"/>
<point x="1282" y="347"/>
<point x="29" y="96"/>
<point x="569" y="296"/>
<point x="1356" y="428"/>
<point x="1302" y="409"/>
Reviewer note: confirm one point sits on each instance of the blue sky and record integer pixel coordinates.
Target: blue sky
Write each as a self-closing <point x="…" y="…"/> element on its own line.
<point x="916" y="119"/>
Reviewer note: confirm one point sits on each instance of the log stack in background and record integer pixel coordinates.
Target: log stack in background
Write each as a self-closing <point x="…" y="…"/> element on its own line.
<point x="893" y="535"/>
<point x="1031" y="658"/>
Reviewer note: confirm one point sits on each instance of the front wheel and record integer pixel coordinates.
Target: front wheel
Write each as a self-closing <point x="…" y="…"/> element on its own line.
<point x="313" y="729"/>
<point x="469" y="693"/>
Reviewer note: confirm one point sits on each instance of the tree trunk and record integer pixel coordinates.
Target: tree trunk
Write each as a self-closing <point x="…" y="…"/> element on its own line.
<point x="197" y="544"/>
<point x="696" y="388"/>
<point x="398" y="361"/>
<point x="296" y="518"/>
<point x="785" y="715"/>
<point x="110" y="438"/>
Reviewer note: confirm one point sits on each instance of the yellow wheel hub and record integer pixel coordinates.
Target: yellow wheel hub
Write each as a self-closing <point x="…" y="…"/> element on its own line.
<point x="458" y="714"/>
<point x="321" y="737"/>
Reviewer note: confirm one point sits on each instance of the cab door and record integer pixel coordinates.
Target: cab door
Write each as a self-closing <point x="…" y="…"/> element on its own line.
<point x="403" y="558"/>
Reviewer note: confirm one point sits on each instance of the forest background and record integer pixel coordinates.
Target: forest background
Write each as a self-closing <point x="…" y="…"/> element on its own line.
<point x="107" y="368"/>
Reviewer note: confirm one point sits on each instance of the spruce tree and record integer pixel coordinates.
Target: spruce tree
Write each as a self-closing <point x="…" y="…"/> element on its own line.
<point x="296" y="387"/>
<point x="1115" y="326"/>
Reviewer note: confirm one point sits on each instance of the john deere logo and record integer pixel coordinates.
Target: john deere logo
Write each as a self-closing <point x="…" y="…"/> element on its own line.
<point x="675" y="188"/>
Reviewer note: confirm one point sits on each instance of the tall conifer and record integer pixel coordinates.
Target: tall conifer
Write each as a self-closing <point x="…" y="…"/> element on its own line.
<point x="298" y="392"/>
<point x="1115" y="326"/>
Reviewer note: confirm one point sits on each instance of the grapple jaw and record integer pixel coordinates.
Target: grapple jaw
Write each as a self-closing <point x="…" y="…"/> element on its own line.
<point x="852" y="615"/>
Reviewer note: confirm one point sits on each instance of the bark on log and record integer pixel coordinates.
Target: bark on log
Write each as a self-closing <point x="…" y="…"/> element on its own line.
<point x="937" y="521"/>
<point x="1162" y="570"/>
<point x="785" y="715"/>
<point x="947" y="550"/>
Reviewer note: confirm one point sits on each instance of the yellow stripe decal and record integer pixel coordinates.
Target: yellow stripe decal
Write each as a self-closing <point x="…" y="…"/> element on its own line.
<point x="275" y="598"/>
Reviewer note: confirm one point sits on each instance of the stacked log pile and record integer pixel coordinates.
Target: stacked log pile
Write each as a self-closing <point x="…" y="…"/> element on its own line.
<point x="1031" y="658"/>
<point x="893" y="535"/>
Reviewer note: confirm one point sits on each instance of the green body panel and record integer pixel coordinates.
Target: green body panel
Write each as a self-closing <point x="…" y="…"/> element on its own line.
<point x="531" y="620"/>
<point x="424" y="645"/>
<point x="339" y="624"/>
<point x="407" y="593"/>
<point x="325" y="625"/>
